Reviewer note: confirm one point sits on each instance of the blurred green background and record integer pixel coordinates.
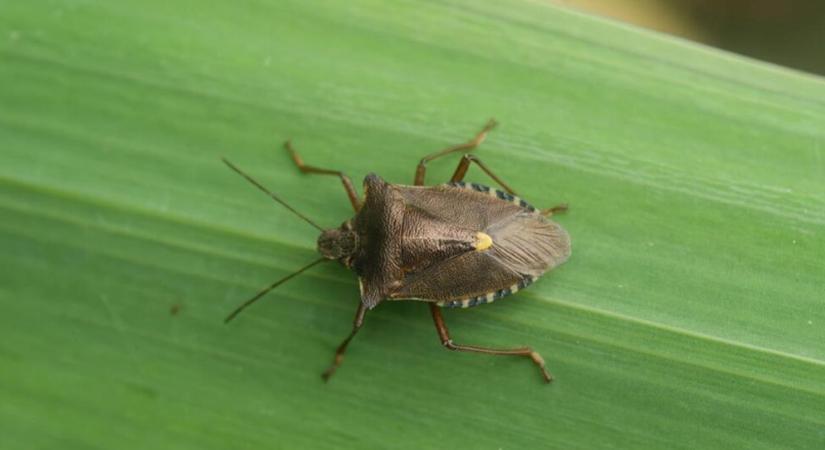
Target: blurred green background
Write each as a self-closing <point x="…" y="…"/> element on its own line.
<point x="788" y="32"/>
<point x="689" y="316"/>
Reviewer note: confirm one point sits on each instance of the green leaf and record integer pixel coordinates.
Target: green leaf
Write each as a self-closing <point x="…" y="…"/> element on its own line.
<point x="691" y="314"/>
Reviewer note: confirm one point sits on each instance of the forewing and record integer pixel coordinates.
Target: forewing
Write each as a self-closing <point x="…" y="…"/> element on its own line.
<point x="472" y="208"/>
<point x="467" y="275"/>
<point x="529" y="244"/>
<point x="525" y="245"/>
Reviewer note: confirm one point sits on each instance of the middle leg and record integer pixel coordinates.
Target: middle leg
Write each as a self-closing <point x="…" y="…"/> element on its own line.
<point x="421" y="170"/>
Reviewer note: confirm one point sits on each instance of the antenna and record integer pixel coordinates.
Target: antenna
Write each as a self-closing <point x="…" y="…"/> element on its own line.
<point x="274" y="197"/>
<point x="269" y="288"/>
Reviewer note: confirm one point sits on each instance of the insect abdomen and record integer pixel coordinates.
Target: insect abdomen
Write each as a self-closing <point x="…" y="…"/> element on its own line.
<point x="489" y="297"/>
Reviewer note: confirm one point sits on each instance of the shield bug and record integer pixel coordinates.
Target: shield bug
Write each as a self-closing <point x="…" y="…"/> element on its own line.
<point x="452" y="245"/>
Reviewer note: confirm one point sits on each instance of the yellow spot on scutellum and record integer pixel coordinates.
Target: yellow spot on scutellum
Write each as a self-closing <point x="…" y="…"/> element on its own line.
<point x="483" y="241"/>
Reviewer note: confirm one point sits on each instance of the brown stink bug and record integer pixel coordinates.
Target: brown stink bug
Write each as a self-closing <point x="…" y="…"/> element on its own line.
<point x="451" y="245"/>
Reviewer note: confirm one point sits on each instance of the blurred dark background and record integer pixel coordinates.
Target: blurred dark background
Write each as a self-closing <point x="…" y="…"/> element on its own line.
<point x="786" y="32"/>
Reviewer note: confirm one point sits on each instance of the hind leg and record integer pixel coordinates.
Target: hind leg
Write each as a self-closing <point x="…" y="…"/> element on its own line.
<point x="448" y="343"/>
<point x="464" y="165"/>
<point x="547" y="212"/>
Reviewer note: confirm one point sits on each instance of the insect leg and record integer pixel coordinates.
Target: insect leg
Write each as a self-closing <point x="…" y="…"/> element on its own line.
<point x="444" y="335"/>
<point x="421" y="170"/>
<point x="339" y="353"/>
<point x="353" y="196"/>
<point x="547" y="212"/>
<point x="464" y="164"/>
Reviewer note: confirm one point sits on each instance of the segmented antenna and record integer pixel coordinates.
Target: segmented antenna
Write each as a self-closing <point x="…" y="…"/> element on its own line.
<point x="267" y="191"/>
<point x="269" y="288"/>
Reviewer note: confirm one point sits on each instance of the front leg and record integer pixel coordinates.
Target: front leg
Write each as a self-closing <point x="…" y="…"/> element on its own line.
<point x="339" y="353"/>
<point x="345" y="180"/>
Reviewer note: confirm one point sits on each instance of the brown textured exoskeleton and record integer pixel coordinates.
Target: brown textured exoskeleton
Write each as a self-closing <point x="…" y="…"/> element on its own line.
<point x="450" y="245"/>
